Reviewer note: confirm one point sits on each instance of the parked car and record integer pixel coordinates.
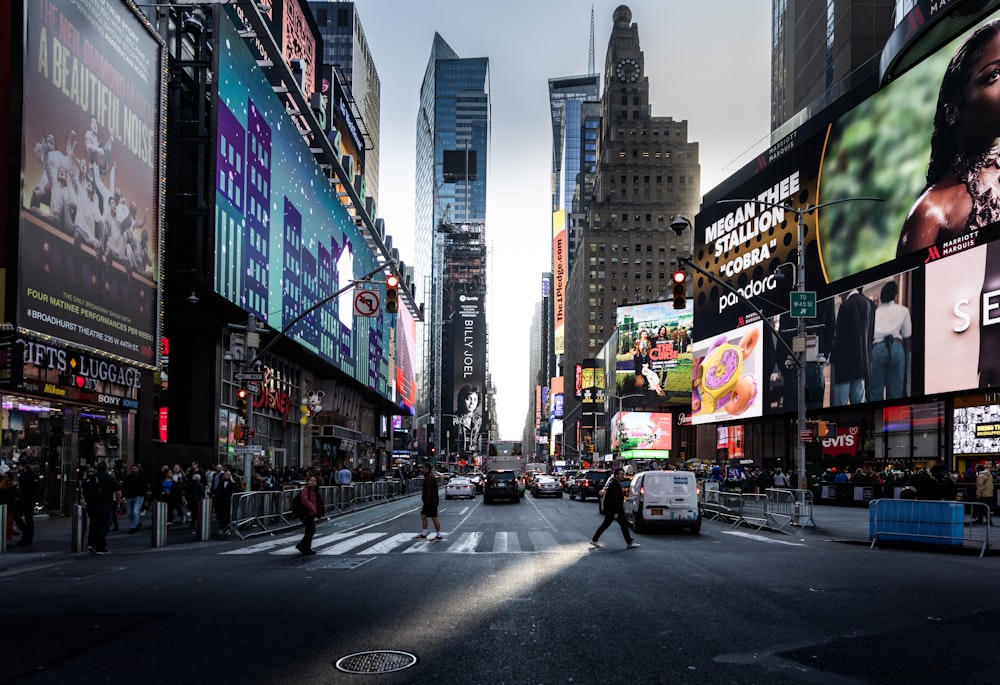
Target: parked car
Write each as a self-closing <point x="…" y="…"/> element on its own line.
<point x="664" y="498"/>
<point x="501" y="485"/>
<point x="546" y="486"/>
<point x="589" y="483"/>
<point x="459" y="487"/>
<point x="626" y="485"/>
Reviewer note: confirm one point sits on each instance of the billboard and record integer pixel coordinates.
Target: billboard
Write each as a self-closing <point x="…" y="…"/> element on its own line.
<point x="976" y="426"/>
<point x="727" y="376"/>
<point x="406" y="360"/>
<point x="962" y="321"/>
<point x="865" y="162"/>
<point x="468" y="380"/>
<point x="284" y="241"/>
<point x="858" y="348"/>
<point x="654" y="352"/>
<point x="90" y="218"/>
<point x="641" y="434"/>
<point x="559" y="277"/>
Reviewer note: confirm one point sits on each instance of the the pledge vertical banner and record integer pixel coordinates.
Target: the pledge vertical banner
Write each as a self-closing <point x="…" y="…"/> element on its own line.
<point x="91" y="163"/>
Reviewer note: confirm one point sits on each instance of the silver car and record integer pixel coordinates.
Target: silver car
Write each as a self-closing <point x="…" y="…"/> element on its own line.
<point x="546" y="485"/>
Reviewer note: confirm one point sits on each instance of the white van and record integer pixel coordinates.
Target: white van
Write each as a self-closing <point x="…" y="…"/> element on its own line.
<point x="663" y="498"/>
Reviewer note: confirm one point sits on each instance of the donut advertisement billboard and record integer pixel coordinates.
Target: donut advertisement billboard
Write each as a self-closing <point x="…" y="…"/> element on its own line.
<point x="728" y="376"/>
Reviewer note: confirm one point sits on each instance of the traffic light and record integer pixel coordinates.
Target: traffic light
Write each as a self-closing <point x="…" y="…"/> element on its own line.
<point x="680" y="289"/>
<point x="391" y="294"/>
<point x="241" y="404"/>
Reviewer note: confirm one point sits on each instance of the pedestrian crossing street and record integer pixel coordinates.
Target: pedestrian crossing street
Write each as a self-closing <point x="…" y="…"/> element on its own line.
<point x="373" y="543"/>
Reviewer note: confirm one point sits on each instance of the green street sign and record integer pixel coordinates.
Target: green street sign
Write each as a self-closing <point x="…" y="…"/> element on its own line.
<point x="802" y="305"/>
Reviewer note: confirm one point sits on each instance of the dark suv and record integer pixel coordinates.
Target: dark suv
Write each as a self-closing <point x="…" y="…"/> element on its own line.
<point x="501" y="485"/>
<point x="589" y="483"/>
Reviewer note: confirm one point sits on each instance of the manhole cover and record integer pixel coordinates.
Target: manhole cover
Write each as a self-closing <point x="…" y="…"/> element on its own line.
<point x="381" y="661"/>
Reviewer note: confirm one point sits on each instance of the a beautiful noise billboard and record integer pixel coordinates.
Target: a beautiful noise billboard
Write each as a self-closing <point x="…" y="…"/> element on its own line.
<point x="92" y="176"/>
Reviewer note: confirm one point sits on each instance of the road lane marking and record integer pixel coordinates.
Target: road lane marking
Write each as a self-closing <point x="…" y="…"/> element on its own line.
<point x="761" y="538"/>
<point x="466" y="543"/>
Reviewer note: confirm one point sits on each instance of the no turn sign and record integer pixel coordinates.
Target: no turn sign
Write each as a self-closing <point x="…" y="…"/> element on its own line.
<point x="366" y="302"/>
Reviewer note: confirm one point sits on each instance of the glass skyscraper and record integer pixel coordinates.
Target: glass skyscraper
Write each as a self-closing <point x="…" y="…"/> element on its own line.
<point x="452" y="143"/>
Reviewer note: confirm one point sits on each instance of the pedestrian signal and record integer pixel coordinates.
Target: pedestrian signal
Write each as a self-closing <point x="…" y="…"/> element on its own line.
<point x="391" y="294"/>
<point x="680" y="289"/>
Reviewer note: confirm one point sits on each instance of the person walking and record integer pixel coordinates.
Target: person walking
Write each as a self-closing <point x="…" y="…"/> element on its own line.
<point x="984" y="494"/>
<point x="24" y="503"/>
<point x="194" y="493"/>
<point x="429" y="496"/>
<point x="136" y="487"/>
<point x="312" y="508"/>
<point x="614" y="510"/>
<point x="100" y="491"/>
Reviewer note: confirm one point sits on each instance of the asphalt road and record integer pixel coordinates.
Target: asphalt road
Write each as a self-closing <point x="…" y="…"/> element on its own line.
<point x="514" y="594"/>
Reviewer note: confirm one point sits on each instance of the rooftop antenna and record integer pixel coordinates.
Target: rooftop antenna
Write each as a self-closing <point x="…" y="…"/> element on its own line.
<point x="590" y="57"/>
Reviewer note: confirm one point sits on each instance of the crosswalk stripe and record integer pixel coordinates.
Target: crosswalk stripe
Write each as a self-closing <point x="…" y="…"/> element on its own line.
<point x="353" y="543"/>
<point x="501" y="543"/>
<point x="467" y="542"/>
<point x="387" y="545"/>
<point x="317" y="542"/>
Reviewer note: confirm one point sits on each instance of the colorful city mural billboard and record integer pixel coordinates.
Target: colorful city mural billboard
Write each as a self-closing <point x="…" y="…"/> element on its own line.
<point x="653" y="358"/>
<point x="284" y="241"/>
<point x="89" y="252"/>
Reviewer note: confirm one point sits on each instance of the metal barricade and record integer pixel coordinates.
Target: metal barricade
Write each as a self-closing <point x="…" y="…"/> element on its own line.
<point x="793" y="507"/>
<point x="753" y="510"/>
<point x="929" y="522"/>
<point x="261" y="509"/>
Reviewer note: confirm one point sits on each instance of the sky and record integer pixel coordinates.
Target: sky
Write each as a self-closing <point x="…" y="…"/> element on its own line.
<point x="708" y="62"/>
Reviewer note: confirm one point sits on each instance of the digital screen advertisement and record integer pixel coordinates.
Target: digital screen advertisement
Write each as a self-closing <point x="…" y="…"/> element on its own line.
<point x="858" y="348"/>
<point x="727" y="376"/>
<point x="90" y="208"/>
<point x="467" y="389"/>
<point x="284" y="241"/>
<point x="962" y="321"/>
<point x="639" y="432"/>
<point x="976" y="426"/>
<point x="865" y="166"/>
<point x="654" y="352"/>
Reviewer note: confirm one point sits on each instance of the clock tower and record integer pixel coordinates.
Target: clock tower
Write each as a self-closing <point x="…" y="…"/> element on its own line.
<point x="647" y="173"/>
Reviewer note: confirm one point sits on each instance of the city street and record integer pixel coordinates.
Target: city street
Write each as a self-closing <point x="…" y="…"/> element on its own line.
<point x="513" y="594"/>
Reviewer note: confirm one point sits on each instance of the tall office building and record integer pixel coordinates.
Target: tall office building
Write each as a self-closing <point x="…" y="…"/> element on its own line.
<point x="452" y="142"/>
<point x="345" y="48"/>
<point x="816" y="45"/>
<point x="647" y="173"/>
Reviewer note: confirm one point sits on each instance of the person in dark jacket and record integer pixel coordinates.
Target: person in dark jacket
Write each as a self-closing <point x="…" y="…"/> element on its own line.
<point x="24" y="503"/>
<point x="614" y="510"/>
<point x="101" y="492"/>
<point x="224" y="492"/>
<point x="935" y="484"/>
<point x="136" y="486"/>
<point x="312" y="507"/>
<point x="430" y="498"/>
<point x="194" y="493"/>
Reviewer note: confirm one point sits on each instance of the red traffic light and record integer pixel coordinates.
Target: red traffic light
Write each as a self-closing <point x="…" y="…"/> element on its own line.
<point x="679" y="277"/>
<point x="392" y="281"/>
<point x="241" y="394"/>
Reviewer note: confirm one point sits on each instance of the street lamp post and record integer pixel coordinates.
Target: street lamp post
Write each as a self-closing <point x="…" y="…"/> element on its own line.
<point x="799" y="344"/>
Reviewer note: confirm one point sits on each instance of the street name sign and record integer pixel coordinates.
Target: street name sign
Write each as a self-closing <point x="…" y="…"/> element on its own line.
<point x="249" y="376"/>
<point x="802" y="304"/>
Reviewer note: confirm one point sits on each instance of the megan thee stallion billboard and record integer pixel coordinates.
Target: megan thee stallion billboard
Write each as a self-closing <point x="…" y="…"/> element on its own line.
<point x="91" y="188"/>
